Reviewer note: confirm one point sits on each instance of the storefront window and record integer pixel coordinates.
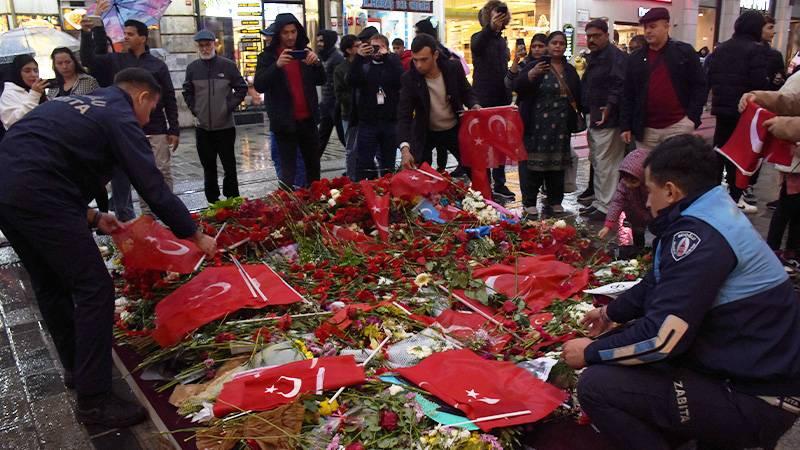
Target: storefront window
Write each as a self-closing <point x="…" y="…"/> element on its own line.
<point x="461" y="22"/>
<point x="706" y="23"/>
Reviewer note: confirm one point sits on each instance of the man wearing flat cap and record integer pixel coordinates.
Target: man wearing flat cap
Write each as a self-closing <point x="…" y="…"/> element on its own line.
<point x="212" y="90"/>
<point x="665" y="87"/>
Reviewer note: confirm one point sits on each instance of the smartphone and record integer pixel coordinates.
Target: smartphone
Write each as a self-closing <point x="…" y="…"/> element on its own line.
<point x="520" y="42"/>
<point x="502" y="9"/>
<point x="52" y="81"/>
<point x="96" y="20"/>
<point x="298" y="54"/>
<point x="376" y="49"/>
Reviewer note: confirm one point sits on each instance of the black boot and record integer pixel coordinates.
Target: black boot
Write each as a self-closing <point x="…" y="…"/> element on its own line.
<point x="69" y="381"/>
<point x="109" y="411"/>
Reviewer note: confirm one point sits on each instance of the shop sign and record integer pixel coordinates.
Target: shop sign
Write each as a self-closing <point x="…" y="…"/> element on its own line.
<point x="761" y="5"/>
<point x="414" y="6"/>
<point x="569" y="32"/>
<point x="643" y="11"/>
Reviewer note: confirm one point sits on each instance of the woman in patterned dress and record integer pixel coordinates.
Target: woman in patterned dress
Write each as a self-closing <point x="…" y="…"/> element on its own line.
<point x="548" y="90"/>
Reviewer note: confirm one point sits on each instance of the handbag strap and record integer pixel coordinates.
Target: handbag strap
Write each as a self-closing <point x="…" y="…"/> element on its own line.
<point x="565" y="87"/>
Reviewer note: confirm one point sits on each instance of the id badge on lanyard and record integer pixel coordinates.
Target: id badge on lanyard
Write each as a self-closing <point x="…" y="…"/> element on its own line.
<point x="381" y="96"/>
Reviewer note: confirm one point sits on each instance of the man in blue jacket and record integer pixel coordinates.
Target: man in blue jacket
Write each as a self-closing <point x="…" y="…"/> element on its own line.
<point x="163" y="129"/>
<point x="710" y="349"/>
<point x="71" y="145"/>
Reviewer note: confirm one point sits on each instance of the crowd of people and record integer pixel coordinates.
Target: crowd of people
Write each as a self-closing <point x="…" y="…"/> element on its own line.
<point x="113" y="117"/>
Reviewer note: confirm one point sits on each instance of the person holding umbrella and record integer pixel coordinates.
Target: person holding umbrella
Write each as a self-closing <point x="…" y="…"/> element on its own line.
<point x="163" y="129"/>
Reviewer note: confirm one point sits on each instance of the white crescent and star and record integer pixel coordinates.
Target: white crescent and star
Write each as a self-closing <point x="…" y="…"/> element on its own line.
<point x="222" y="287"/>
<point x="179" y="250"/>
<point x="756" y="142"/>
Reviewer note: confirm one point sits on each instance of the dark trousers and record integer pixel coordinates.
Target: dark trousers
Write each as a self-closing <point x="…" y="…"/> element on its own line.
<point x="329" y="121"/>
<point x="499" y="177"/>
<point x="725" y="127"/>
<point x="121" y="197"/>
<point x="660" y="407"/>
<point x="786" y="214"/>
<point x="72" y="287"/>
<point x="531" y="181"/>
<point x="376" y="140"/>
<point x="443" y="141"/>
<point x="306" y="139"/>
<point x="213" y="144"/>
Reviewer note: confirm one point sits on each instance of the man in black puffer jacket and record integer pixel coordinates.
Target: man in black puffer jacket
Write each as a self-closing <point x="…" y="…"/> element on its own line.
<point x="739" y="66"/>
<point x="331" y="57"/>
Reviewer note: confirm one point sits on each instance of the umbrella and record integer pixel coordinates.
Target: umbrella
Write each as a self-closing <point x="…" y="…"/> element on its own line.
<point x="36" y="41"/>
<point x="147" y="12"/>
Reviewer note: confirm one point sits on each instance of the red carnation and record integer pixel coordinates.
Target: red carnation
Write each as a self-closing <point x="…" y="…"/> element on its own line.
<point x="509" y="306"/>
<point x="355" y="446"/>
<point x="388" y="420"/>
<point x="285" y="322"/>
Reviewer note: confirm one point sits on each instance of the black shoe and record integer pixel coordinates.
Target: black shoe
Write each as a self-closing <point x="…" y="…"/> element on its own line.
<point x="589" y="192"/>
<point x="586" y="199"/>
<point x="587" y="210"/>
<point x="772" y="205"/>
<point x="109" y="411"/>
<point x="69" y="380"/>
<point x="504" y="192"/>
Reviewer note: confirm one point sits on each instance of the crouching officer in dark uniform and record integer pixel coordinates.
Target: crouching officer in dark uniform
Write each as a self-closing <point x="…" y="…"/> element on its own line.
<point x="51" y="162"/>
<point x="711" y="346"/>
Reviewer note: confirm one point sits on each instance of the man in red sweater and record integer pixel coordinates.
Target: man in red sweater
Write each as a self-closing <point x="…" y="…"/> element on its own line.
<point x="665" y="87"/>
<point x="287" y="74"/>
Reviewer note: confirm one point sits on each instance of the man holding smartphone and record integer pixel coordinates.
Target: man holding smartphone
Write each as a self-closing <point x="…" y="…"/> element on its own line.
<point x="288" y="73"/>
<point x="375" y="76"/>
<point x="490" y="58"/>
<point x="603" y="84"/>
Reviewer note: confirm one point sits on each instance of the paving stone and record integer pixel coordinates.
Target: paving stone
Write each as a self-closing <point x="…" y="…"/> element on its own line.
<point x="56" y="424"/>
<point x="19" y="438"/>
<point x="122" y="439"/>
<point x="28" y="341"/>
<point x="44" y="385"/>
<point x="36" y="361"/>
<point x="7" y="358"/>
<point x="20" y="316"/>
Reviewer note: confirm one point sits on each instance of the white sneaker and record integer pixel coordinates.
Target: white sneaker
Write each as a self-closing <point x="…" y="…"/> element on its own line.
<point x="746" y="207"/>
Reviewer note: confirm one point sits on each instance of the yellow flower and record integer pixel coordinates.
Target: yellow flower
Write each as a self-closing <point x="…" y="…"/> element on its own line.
<point x="303" y="349"/>
<point x="423" y="279"/>
<point x="327" y="408"/>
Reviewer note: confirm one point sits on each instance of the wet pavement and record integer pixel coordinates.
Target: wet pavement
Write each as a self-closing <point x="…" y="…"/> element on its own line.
<point x="36" y="408"/>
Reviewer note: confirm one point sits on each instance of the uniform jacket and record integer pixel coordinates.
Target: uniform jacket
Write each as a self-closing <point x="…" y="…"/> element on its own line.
<point x="687" y="77"/>
<point x="717" y="301"/>
<point x="271" y="80"/>
<point x="212" y="90"/>
<point x="72" y="146"/>
<point x="739" y="65"/>
<point x="490" y="57"/>
<point x="94" y="54"/>
<point x="603" y="84"/>
<point x="632" y="201"/>
<point x="413" y="112"/>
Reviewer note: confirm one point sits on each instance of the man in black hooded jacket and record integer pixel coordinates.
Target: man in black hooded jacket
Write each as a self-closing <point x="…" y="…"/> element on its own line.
<point x="331" y="57"/>
<point x="739" y="66"/>
<point x="287" y="73"/>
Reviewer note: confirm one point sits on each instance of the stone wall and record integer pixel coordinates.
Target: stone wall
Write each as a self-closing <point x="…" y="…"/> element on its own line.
<point x="178" y="26"/>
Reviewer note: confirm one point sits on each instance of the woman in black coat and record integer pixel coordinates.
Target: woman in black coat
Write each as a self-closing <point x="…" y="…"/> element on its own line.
<point x="548" y="91"/>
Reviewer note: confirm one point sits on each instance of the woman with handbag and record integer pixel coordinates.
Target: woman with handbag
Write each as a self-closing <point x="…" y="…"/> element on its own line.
<point x="548" y="90"/>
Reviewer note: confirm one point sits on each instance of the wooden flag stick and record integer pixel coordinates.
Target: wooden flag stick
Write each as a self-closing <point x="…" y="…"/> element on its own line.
<point x="267" y="319"/>
<point x="488" y="418"/>
<point x="203" y="258"/>
<point x="481" y="313"/>
<point x="244" y="275"/>
<point x="363" y="364"/>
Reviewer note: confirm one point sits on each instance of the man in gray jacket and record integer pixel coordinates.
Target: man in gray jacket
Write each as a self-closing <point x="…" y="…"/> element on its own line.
<point x="212" y="90"/>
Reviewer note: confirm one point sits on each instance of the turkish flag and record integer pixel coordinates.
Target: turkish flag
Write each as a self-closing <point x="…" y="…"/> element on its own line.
<point x="537" y="279"/>
<point x="483" y="388"/>
<point x="214" y="293"/>
<point x="411" y="183"/>
<point x="462" y="325"/>
<point x="490" y="138"/>
<point x="378" y="208"/>
<point x="266" y="388"/>
<point x="339" y="233"/>
<point x="145" y="244"/>
<point x="751" y="144"/>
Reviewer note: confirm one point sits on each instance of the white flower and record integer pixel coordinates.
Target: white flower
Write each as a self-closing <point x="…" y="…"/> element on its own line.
<point x="336" y="306"/>
<point x="578" y="310"/>
<point x="423" y="279"/>
<point x="121" y="302"/>
<point x="276" y="234"/>
<point x="634" y="263"/>
<point x="331" y="203"/>
<point x="335" y="193"/>
<point x="124" y="316"/>
<point x="420" y="351"/>
<point x="560" y="224"/>
<point x="395" y="389"/>
<point x="382" y="281"/>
